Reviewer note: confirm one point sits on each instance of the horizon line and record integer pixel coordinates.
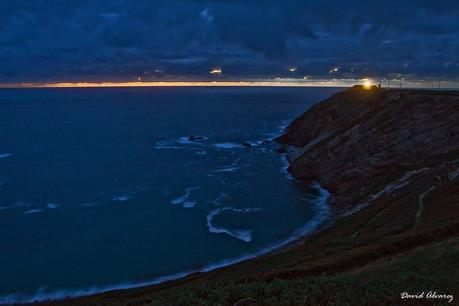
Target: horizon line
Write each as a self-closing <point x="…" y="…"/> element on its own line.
<point x="262" y="83"/>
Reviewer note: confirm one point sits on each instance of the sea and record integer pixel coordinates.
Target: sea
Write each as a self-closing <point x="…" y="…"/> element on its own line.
<point x="109" y="188"/>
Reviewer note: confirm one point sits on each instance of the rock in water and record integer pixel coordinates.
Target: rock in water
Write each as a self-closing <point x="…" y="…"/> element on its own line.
<point x="196" y="138"/>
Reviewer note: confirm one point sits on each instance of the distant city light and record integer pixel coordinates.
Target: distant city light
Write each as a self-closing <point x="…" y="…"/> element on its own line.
<point x="216" y="71"/>
<point x="334" y="69"/>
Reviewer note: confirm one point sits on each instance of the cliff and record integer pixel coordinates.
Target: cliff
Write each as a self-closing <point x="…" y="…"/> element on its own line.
<point x="376" y="145"/>
<point x="391" y="162"/>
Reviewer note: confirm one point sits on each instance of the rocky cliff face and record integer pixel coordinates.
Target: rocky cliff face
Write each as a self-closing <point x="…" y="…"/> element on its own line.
<point x="377" y="145"/>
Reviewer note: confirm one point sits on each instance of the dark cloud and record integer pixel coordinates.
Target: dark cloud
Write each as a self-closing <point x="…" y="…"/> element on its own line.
<point x="57" y="40"/>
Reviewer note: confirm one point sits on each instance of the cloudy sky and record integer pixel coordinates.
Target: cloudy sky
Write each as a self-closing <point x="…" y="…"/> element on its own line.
<point x="122" y="40"/>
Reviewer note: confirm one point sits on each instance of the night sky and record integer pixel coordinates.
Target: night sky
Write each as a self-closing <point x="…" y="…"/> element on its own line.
<point x="124" y="40"/>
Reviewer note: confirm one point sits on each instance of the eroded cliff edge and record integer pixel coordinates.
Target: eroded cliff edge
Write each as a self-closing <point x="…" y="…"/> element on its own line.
<point x="368" y="146"/>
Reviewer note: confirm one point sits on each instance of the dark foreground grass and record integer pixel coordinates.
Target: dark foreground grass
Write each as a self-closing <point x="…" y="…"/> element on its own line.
<point x="432" y="268"/>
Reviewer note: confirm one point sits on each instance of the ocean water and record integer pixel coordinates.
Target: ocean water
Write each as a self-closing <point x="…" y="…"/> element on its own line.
<point x="103" y="188"/>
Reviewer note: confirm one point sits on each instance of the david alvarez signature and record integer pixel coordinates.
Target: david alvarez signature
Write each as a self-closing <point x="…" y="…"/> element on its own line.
<point x="427" y="295"/>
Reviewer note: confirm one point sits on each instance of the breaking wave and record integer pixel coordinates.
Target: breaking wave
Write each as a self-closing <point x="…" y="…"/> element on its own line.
<point x="241" y="234"/>
<point x="5" y="155"/>
<point x="322" y="213"/>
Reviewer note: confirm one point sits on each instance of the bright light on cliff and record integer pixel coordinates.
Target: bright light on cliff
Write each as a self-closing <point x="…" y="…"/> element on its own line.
<point x="367" y="84"/>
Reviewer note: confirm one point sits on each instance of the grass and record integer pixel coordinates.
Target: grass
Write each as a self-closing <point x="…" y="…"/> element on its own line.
<point x="380" y="283"/>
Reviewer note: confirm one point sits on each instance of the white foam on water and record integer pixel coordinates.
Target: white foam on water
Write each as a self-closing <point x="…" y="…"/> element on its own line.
<point x="255" y="143"/>
<point x="242" y="234"/>
<point x="121" y="198"/>
<point x="280" y="129"/>
<point x="167" y="144"/>
<point x="227" y="145"/>
<point x="189" y="204"/>
<point x="227" y="169"/>
<point x="33" y="211"/>
<point x="185" y="140"/>
<point x="41" y="295"/>
<point x="184" y="197"/>
<point x="5" y="155"/>
<point x="285" y="165"/>
<point x="15" y="205"/>
<point x="180" y="143"/>
<point x="52" y="205"/>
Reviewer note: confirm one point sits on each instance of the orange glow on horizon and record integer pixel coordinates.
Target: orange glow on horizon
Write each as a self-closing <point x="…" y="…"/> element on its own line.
<point x="276" y="82"/>
<point x="323" y="83"/>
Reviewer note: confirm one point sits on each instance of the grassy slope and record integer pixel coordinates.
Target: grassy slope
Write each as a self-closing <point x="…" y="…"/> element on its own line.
<point x="379" y="283"/>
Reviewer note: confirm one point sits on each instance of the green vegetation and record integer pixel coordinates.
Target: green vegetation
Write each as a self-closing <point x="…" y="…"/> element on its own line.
<point x="380" y="283"/>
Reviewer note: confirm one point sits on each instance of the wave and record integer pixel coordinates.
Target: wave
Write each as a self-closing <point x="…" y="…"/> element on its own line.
<point x="285" y="165"/>
<point x="191" y="139"/>
<point x="227" y="169"/>
<point x="200" y="142"/>
<point x="241" y="234"/>
<point x="322" y="213"/>
<point x="227" y="145"/>
<point x="189" y="204"/>
<point x="33" y="211"/>
<point x="279" y="129"/>
<point x="15" y="205"/>
<point x="180" y="143"/>
<point x="121" y="198"/>
<point x="52" y="205"/>
<point x="5" y="155"/>
<point x="183" y="199"/>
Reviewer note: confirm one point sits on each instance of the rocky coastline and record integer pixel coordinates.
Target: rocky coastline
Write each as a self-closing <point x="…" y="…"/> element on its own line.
<point x="370" y="145"/>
